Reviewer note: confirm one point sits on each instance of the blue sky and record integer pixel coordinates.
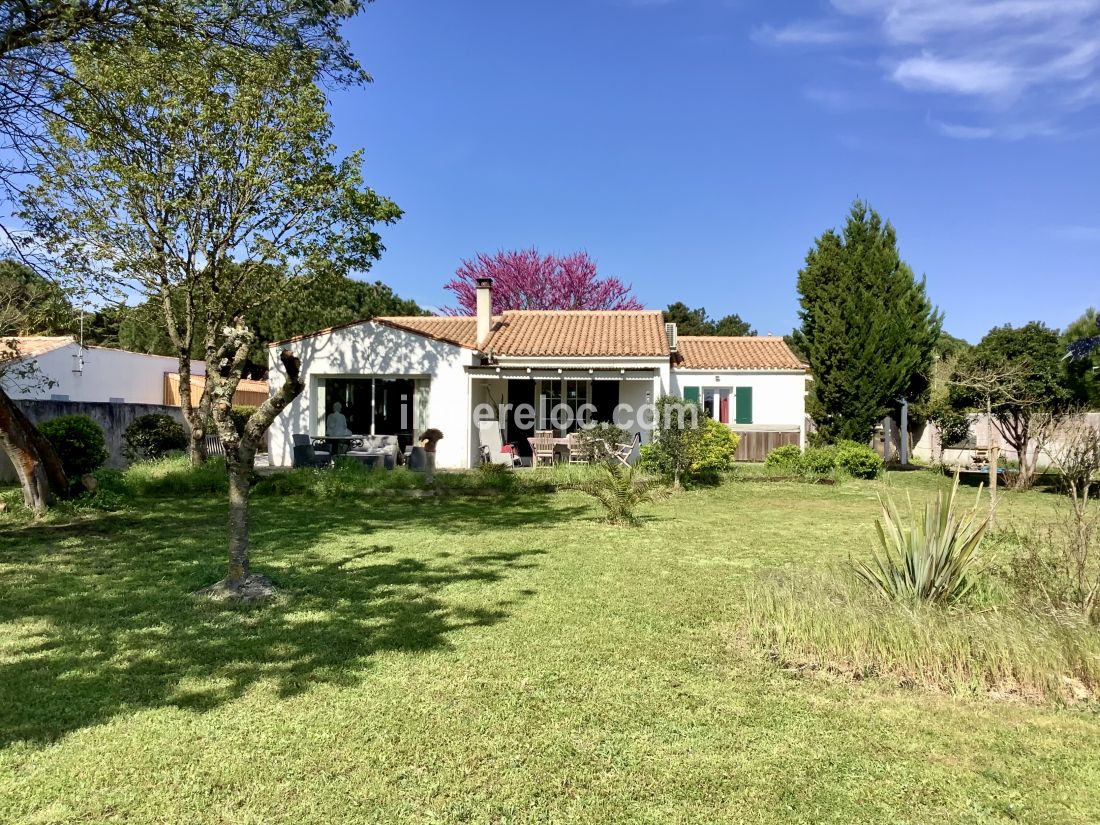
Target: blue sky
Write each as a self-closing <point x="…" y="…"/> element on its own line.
<point x="695" y="148"/>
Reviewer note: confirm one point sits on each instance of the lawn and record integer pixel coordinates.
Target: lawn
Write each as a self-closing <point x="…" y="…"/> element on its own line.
<point x="484" y="660"/>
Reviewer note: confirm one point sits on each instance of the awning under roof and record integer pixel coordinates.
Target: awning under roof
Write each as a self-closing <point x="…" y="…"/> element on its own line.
<point x="549" y="374"/>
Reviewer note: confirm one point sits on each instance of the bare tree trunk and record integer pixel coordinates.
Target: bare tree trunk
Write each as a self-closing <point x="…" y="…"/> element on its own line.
<point x="196" y="417"/>
<point x="240" y="457"/>
<point x="36" y="464"/>
<point x="240" y="474"/>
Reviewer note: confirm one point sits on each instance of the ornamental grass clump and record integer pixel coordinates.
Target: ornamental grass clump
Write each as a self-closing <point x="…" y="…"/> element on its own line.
<point x="620" y="490"/>
<point x="826" y="621"/>
<point x="927" y="557"/>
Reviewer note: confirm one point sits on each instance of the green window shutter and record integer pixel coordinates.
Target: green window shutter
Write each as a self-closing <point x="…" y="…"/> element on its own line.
<point x="691" y="394"/>
<point x="743" y="408"/>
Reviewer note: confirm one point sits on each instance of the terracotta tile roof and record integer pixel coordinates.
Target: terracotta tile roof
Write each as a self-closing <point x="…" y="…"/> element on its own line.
<point x="752" y="353"/>
<point x="33" y="345"/>
<point x="579" y="333"/>
<point x="459" y="330"/>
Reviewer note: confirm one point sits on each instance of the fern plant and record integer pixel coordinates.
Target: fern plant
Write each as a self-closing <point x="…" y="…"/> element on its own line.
<point x="926" y="557"/>
<point x="620" y="490"/>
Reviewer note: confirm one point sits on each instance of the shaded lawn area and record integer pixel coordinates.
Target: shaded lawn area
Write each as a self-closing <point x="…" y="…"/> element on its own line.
<point x="482" y="660"/>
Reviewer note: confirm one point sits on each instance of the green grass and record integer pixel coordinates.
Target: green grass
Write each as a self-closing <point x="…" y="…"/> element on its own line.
<point x="462" y="659"/>
<point x="829" y="621"/>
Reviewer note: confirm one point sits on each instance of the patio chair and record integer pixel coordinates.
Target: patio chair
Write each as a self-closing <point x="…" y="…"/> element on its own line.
<point x="493" y="448"/>
<point x="542" y="446"/>
<point x="578" y="450"/>
<point x="622" y="452"/>
<point x="303" y="440"/>
<point x="306" y="456"/>
<point x="214" y="446"/>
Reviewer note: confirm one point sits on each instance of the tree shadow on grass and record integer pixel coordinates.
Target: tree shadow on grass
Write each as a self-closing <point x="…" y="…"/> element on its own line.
<point x="96" y="618"/>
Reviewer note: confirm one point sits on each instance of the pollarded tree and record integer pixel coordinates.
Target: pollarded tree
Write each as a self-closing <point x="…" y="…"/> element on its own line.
<point x="215" y="193"/>
<point x="37" y="38"/>
<point x="160" y="206"/>
<point x="526" y="279"/>
<point x="868" y="329"/>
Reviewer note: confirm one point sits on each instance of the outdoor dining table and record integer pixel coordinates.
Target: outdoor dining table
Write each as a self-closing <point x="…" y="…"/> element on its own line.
<point x="339" y="444"/>
<point x="561" y="446"/>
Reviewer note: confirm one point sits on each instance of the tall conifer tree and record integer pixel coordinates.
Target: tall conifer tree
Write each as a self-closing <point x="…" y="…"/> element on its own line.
<point x="868" y="329"/>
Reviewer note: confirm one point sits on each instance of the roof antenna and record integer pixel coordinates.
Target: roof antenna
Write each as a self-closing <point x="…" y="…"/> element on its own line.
<point x="78" y="358"/>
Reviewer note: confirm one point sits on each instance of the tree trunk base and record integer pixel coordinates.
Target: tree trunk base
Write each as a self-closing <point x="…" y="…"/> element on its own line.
<point x="254" y="587"/>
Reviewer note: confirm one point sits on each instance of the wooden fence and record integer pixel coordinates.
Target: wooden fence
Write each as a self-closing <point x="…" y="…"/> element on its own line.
<point x="250" y="393"/>
<point x="756" y="444"/>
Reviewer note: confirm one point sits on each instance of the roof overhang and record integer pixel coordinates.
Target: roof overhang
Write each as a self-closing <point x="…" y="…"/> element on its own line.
<point x="602" y="372"/>
<point x="720" y="370"/>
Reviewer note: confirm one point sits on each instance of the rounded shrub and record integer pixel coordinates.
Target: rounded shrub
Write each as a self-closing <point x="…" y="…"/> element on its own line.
<point x="819" y="461"/>
<point x="153" y="436"/>
<point x="787" y="459"/>
<point x="858" y="460"/>
<point x="714" y="450"/>
<point x="78" y="442"/>
<point x="240" y="415"/>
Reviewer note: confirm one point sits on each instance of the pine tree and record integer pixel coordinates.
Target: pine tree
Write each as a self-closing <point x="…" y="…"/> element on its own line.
<point x="868" y="329"/>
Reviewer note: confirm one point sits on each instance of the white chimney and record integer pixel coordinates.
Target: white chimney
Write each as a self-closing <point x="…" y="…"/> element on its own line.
<point x="484" y="309"/>
<point x="670" y="334"/>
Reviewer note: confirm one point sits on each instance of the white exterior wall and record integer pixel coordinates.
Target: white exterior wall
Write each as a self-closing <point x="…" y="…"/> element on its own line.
<point x="376" y="350"/>
<point x="778" y="397"/>
<point x="133" y="377"/>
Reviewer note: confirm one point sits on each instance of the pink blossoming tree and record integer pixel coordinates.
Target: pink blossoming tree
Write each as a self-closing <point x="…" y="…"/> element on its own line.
<point x="524" y="279"/>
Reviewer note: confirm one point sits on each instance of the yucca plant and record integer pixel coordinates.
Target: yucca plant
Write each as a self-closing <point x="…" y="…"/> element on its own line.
<point x="620" y="490"/>
<point x="926" y="558"/>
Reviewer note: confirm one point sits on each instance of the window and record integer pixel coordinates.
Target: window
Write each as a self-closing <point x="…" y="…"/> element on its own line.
<point x="716" y="401"/>
<point x="59" y="397"/>
<point x="374" y="406"/>
<point x="577" y="395"/>
<point x="570" y="393"/>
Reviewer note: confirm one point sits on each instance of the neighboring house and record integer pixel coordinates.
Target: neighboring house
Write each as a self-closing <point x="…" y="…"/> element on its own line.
<point x="91" y="374"/>
<point x="401" y="375"/>
<point x="65" y="371"/>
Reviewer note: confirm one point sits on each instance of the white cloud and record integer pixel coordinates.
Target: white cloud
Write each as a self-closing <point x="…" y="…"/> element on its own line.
<point x="918" y="21"/>
<point x="959" y="75"/>
<point x="802" y="32"/>
<point x="1009" y="131"/>
<point x="1036" y="60"/>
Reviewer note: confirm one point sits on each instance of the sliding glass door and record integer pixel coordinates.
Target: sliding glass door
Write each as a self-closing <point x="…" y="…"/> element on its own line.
<point x="374" y="406"/>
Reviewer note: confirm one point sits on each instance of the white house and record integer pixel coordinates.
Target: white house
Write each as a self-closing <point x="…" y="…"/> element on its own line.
<point x="91" y="374"/>
<point x="402" y="375"/>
